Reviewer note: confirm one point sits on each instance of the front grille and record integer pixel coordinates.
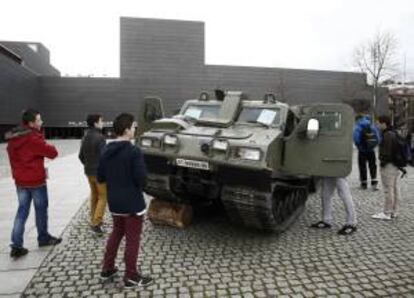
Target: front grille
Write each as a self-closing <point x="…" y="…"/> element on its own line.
<point x="157" y="164"/>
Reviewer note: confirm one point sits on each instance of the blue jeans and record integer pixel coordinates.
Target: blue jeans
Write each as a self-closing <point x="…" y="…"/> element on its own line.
<point x="40" y="200"/>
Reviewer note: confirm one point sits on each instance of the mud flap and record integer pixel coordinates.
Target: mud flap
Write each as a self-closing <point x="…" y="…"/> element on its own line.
<point x="168" y="213"/>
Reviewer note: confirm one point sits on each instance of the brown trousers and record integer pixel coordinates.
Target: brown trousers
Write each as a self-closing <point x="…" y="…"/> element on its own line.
<point x="98" y="200"/>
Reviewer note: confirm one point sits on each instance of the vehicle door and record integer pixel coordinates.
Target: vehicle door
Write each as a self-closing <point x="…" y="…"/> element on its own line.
<point x="151" y="109"/>
<point x="321" y="143"/>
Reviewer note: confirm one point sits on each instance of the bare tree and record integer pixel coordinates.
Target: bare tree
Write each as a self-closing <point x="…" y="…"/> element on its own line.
<point x="377" y="57"/>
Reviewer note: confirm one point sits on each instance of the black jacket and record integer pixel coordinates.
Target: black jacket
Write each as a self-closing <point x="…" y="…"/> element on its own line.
<point x="90" y="151"/>
<point x="122" y="167"/>
<point x="387" y="147"/>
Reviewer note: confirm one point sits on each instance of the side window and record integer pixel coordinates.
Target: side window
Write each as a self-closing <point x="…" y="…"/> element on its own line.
<point x="290" y="124"/>
<point x="329" y="121"/>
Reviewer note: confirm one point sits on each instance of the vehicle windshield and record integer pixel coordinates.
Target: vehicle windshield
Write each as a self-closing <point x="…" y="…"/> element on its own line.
<point x="262" y="115"/>
<point x="202" y="111"/>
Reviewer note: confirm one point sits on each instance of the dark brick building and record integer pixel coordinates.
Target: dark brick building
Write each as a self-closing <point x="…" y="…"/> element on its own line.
<point x="158" y="57"/>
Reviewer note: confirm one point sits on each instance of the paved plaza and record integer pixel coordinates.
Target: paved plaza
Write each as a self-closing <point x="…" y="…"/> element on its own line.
<point x="213" y="258"/>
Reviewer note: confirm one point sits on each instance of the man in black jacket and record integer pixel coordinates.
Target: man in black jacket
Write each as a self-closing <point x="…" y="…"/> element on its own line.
<point x="389" y="170"/>
<point x="90" y="151"/>
<point x="122" y="167"/>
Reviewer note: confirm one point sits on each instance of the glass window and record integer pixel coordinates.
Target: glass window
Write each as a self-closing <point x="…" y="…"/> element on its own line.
<point x="202" y="111"/>
<point x="33" y="47"/>
<point x="259" y="115"/>
<point x="329" y="121"/>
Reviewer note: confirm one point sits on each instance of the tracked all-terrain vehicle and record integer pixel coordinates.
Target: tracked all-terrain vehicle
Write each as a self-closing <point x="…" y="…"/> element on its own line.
<point x="257" y="158"/>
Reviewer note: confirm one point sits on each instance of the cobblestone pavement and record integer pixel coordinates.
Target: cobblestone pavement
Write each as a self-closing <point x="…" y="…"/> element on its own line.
<point x="213" y="258"/>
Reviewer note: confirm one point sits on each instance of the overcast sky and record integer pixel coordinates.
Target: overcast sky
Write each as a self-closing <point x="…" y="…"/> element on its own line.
<point x="83" y="35"/>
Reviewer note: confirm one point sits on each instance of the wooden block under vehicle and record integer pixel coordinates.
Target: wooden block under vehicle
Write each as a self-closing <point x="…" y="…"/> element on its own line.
<point x="169" y="213"/>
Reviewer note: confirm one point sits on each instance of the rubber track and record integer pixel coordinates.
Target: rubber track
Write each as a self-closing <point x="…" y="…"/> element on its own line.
<point x="259" y="210"/>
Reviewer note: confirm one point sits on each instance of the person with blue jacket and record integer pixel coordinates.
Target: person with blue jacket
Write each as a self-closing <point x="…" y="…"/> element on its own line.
<point x="366" y="138"/>
<point x="122" y="168"/>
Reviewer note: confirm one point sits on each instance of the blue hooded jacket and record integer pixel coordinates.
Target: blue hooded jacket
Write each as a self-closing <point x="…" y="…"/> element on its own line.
<point x="122" y="168"/>
<point x="362" y="123"/>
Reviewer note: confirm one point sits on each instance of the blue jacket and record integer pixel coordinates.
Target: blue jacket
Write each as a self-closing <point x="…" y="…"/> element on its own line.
<point x="122" y="168"/>
<point x="362" y="123"/>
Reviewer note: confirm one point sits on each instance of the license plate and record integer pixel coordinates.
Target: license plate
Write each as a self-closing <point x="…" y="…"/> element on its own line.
<point x="195" y="164"/>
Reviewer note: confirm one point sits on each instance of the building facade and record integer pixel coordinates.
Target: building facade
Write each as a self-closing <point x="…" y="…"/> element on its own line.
<point x="164" y="58"/>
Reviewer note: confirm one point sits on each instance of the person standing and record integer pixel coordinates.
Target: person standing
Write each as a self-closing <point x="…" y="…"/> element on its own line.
<point x="366" y="138"/>
<point x="122" y="168"/>
<point x="89" y="153"/>
<point x="329" y="184"/>
<point x="27" y="150"/>
<point x="389" y="171"/>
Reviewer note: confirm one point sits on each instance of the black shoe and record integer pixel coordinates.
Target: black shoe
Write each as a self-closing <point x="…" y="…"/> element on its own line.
<point x="105" y="275"/>
<point x="139" y="281"/>
<point x="364" y="186"/>
<point x="17" y="252"/>
<point x="320" y="225"/>
<point x="98" y="230"/>
<point x="347" y="230"/>
<point x="52" y="241"/>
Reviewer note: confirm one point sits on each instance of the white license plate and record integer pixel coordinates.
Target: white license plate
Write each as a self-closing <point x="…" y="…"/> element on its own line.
<point x="195" y="164"/>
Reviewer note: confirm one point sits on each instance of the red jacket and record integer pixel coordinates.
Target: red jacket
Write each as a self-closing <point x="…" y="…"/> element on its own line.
<point x="27" y="149"/>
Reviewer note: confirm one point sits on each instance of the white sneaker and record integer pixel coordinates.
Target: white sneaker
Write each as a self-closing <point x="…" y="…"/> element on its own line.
<point x="395" y="215"/>
<point x="381" y="215"/>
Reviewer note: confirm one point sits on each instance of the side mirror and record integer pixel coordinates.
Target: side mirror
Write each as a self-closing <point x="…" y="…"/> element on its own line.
<point x="313" y="129"/>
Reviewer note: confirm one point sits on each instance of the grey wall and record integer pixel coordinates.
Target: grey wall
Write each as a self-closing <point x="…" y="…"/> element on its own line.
<point x="292" y="85"/>
<point x="159" y="49"/>
<point x="18" y="90"/>
<point x="63" y="100"/>
<point x="38" y="61"/>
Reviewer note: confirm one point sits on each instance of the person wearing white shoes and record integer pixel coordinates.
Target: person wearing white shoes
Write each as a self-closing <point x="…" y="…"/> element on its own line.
<point x="389" y="171"/>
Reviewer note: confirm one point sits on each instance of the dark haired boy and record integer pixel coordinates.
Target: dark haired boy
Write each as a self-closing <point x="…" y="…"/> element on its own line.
<point x="89" y="153"/>
<point x="389" y="172"/>
<point x="27" y="150"/>
<point x="122" y="167"/>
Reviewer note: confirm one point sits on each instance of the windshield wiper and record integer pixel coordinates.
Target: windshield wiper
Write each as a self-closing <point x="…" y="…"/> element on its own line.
<point x="186" y="118"/>
<point x="261" y="123"/>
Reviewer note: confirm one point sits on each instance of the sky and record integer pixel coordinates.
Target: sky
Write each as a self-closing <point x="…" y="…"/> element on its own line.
<point x="83" y="35"/>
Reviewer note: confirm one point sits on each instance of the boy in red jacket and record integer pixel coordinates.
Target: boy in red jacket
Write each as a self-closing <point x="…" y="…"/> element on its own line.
<point x="27" y="149"/>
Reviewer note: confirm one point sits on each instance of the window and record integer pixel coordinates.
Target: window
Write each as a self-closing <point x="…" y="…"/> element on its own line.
<point x="33" y="46"/>
<point x="202" y="111"/>
<point x="259" y="115"/>
<point x="291" y="122"/>
<point x="329" y="121"/>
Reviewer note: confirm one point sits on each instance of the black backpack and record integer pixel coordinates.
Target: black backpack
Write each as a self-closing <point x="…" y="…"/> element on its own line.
<point x="368" y="138"/>
<point x="402" y="151"/>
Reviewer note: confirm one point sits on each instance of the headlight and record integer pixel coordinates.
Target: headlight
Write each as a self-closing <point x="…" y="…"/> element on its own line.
<point x="146" y="142"/>
<point x="150" y="142"/>
<point x="220" y="145"/>
<point x="248" y="153"/>
<point x="170" y="140"/>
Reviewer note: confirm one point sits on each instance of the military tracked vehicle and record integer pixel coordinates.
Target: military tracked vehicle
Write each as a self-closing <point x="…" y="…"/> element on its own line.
<point x="257" y="158"/>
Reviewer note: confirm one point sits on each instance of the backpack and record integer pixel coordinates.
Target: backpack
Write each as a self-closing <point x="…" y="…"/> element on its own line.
<point x="402" y="154"/>
<point x="368" y="138"/>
